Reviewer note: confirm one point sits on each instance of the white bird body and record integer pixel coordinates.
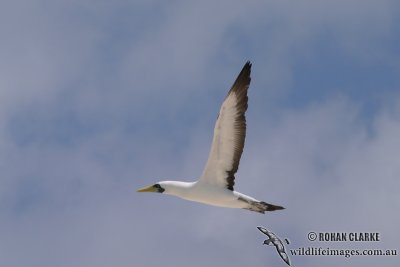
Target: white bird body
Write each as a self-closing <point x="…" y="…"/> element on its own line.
<point x="215" y="186"/>
<point x="206" y="194"/>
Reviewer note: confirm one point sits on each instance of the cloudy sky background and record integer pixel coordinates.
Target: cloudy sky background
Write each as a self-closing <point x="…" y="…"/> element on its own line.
<point x="99" y="98"/>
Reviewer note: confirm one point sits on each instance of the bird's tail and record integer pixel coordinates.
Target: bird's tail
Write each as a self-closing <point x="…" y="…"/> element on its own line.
<point x="262" y="207"/>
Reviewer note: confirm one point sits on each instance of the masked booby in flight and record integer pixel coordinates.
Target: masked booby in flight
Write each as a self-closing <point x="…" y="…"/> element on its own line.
<point x="215" y="186"/>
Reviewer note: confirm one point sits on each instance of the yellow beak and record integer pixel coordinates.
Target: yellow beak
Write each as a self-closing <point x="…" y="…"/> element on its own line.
<point x="147" y="189"/>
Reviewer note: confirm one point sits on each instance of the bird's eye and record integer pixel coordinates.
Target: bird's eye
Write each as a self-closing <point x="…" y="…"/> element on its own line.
<point x="159" y="188"/>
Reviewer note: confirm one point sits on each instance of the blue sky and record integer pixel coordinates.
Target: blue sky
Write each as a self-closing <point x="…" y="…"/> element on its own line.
<point x="99" y="98"/>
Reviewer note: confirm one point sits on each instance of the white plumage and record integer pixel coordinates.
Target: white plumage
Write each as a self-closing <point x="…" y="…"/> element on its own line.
<point x="216" y="184"/>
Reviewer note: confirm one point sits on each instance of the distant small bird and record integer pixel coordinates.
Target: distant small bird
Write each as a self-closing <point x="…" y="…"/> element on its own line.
<point x="215" y="186"/>
<point x="273" y="240"/>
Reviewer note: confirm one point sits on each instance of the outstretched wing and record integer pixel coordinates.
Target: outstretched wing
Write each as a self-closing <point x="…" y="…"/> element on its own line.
<point x="266" y="232"/>
<point x="229" y="135"/>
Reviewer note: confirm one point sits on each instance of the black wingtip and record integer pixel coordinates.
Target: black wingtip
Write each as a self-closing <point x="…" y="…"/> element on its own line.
<point x="247" y="65"/>
<point x="245" y="73"/>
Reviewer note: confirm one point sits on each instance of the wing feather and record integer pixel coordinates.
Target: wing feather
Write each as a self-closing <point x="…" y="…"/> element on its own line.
<point x="229" y="134"/>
